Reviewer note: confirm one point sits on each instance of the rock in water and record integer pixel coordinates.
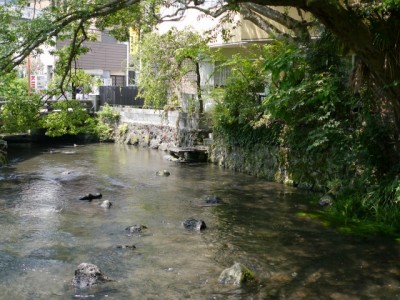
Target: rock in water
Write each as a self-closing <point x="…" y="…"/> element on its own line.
<point x="90" y="197"/>
<point x="132" y="247"/>
<point x="87" y="275"/>
<point x="236" y="275"/>
<point x="135" y="229"/>
<point x="193" y="224"/>
<point x="326" y="200"/>
<point x="106" y="204"/>
<point x="163" y="173"/>
<point x="212" y="199"/>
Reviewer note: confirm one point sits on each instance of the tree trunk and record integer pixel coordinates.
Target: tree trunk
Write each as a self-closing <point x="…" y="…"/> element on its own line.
<point x="198" y="88"/>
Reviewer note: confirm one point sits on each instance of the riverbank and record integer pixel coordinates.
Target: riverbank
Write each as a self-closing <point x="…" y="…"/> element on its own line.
<point x="349" y="208"/>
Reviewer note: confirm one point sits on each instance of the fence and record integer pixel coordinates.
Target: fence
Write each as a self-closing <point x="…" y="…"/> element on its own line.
<point x="124" y="96"/>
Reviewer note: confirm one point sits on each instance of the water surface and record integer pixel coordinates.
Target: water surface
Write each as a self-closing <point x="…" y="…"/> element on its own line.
<point x="46" y="232"/>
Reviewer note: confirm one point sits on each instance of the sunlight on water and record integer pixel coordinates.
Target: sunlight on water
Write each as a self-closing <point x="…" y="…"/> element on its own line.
<point x="46" y="232"/>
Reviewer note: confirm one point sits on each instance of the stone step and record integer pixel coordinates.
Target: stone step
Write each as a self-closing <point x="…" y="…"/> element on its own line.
<point x="190" y="154"/>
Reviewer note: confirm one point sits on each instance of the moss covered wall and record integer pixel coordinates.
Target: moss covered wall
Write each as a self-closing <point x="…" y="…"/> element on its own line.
<point x="271" y="163"/>
<point x="3" y="152"/>
<point x="263" y="161"/>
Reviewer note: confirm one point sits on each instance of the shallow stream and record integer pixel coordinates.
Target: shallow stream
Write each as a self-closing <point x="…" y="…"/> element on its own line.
<point x="46" y="232"/>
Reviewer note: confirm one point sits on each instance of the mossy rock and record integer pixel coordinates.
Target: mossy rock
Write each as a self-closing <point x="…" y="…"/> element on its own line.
<point x="236" y="275"/>
<point x="3" y="159"/>
<point x="147" y="139"/>
<point x="134" y="140"/>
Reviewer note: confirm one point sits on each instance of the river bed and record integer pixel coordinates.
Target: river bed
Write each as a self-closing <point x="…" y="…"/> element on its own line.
<point x="46" y="232"/>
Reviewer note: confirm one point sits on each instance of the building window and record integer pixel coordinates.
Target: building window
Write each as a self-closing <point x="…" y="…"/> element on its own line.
<point x="131" y="78"/>
<point x="118" y="80"/>
<point x="221" y="74"/>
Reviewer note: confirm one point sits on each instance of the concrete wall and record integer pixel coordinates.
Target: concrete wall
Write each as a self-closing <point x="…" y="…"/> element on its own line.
<point x="147" y="116"/>
<point x="159" y="129"/>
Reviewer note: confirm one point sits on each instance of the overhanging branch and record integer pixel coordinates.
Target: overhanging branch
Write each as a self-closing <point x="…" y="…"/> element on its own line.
<point x="261" y="22"/>
<point x="18" y="54"/>
<point x="299" y="28"/>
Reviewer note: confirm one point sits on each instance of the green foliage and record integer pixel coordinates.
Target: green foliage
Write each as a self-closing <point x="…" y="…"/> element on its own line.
<point x="165" y="60"/>
<point x="108" y="115"/>
<point x="20" y="114"/>
<point x="67" y="79"/>
<point x="12" y="86"/>
<point x="107" y="121"/>
<point x="367" y="209"/>
<point x="309" y="96"/>
<point x="336" y="140"/>
<point x="68" y="118"/>
<point x="104" y="131"/>
<point x="141" y="16"/>
<point x="70" y="20"/>
<point x="122" y="130"/>
<point x="238" y="113"/>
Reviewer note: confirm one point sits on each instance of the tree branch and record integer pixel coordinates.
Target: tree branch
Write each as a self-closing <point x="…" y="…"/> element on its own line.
<point x="10" y="60"/>
<point x="298" y="27"/>
<point x="73" y="53"/>
<point x="261" y="22"/>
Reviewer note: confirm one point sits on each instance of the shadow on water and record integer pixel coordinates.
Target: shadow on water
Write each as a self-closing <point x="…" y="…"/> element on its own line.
<point x="25" y="146"/>
<point x="298" y="258"/>
<point x="46" y="232"/>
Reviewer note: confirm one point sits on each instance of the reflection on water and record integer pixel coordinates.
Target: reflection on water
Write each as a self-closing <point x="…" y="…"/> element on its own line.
<point x="46" y="232"/>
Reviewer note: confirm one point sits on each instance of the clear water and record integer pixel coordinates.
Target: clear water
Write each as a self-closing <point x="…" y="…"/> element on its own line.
<point x="46" y="232"/>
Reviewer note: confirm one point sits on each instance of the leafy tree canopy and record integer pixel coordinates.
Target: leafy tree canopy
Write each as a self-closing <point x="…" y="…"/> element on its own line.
<point x="165" y="60"/>
<point x="364" y="26"/>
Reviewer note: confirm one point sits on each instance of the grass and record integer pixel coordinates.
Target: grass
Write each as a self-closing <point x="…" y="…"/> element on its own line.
<point x="376" y="217"/>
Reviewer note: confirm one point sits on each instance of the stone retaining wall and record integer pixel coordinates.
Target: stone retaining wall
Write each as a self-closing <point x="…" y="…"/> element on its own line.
<point x="3" y="152"/>
<point x="159" y="129"/>
<point x="166" y="130"/>
<point x="272" y="163"/>
<point x="263" y="161"/>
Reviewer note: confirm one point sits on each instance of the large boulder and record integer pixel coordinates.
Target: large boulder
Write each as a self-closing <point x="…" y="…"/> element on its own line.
<point x="236" y="275"/>
<point x="87" y="275"/>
